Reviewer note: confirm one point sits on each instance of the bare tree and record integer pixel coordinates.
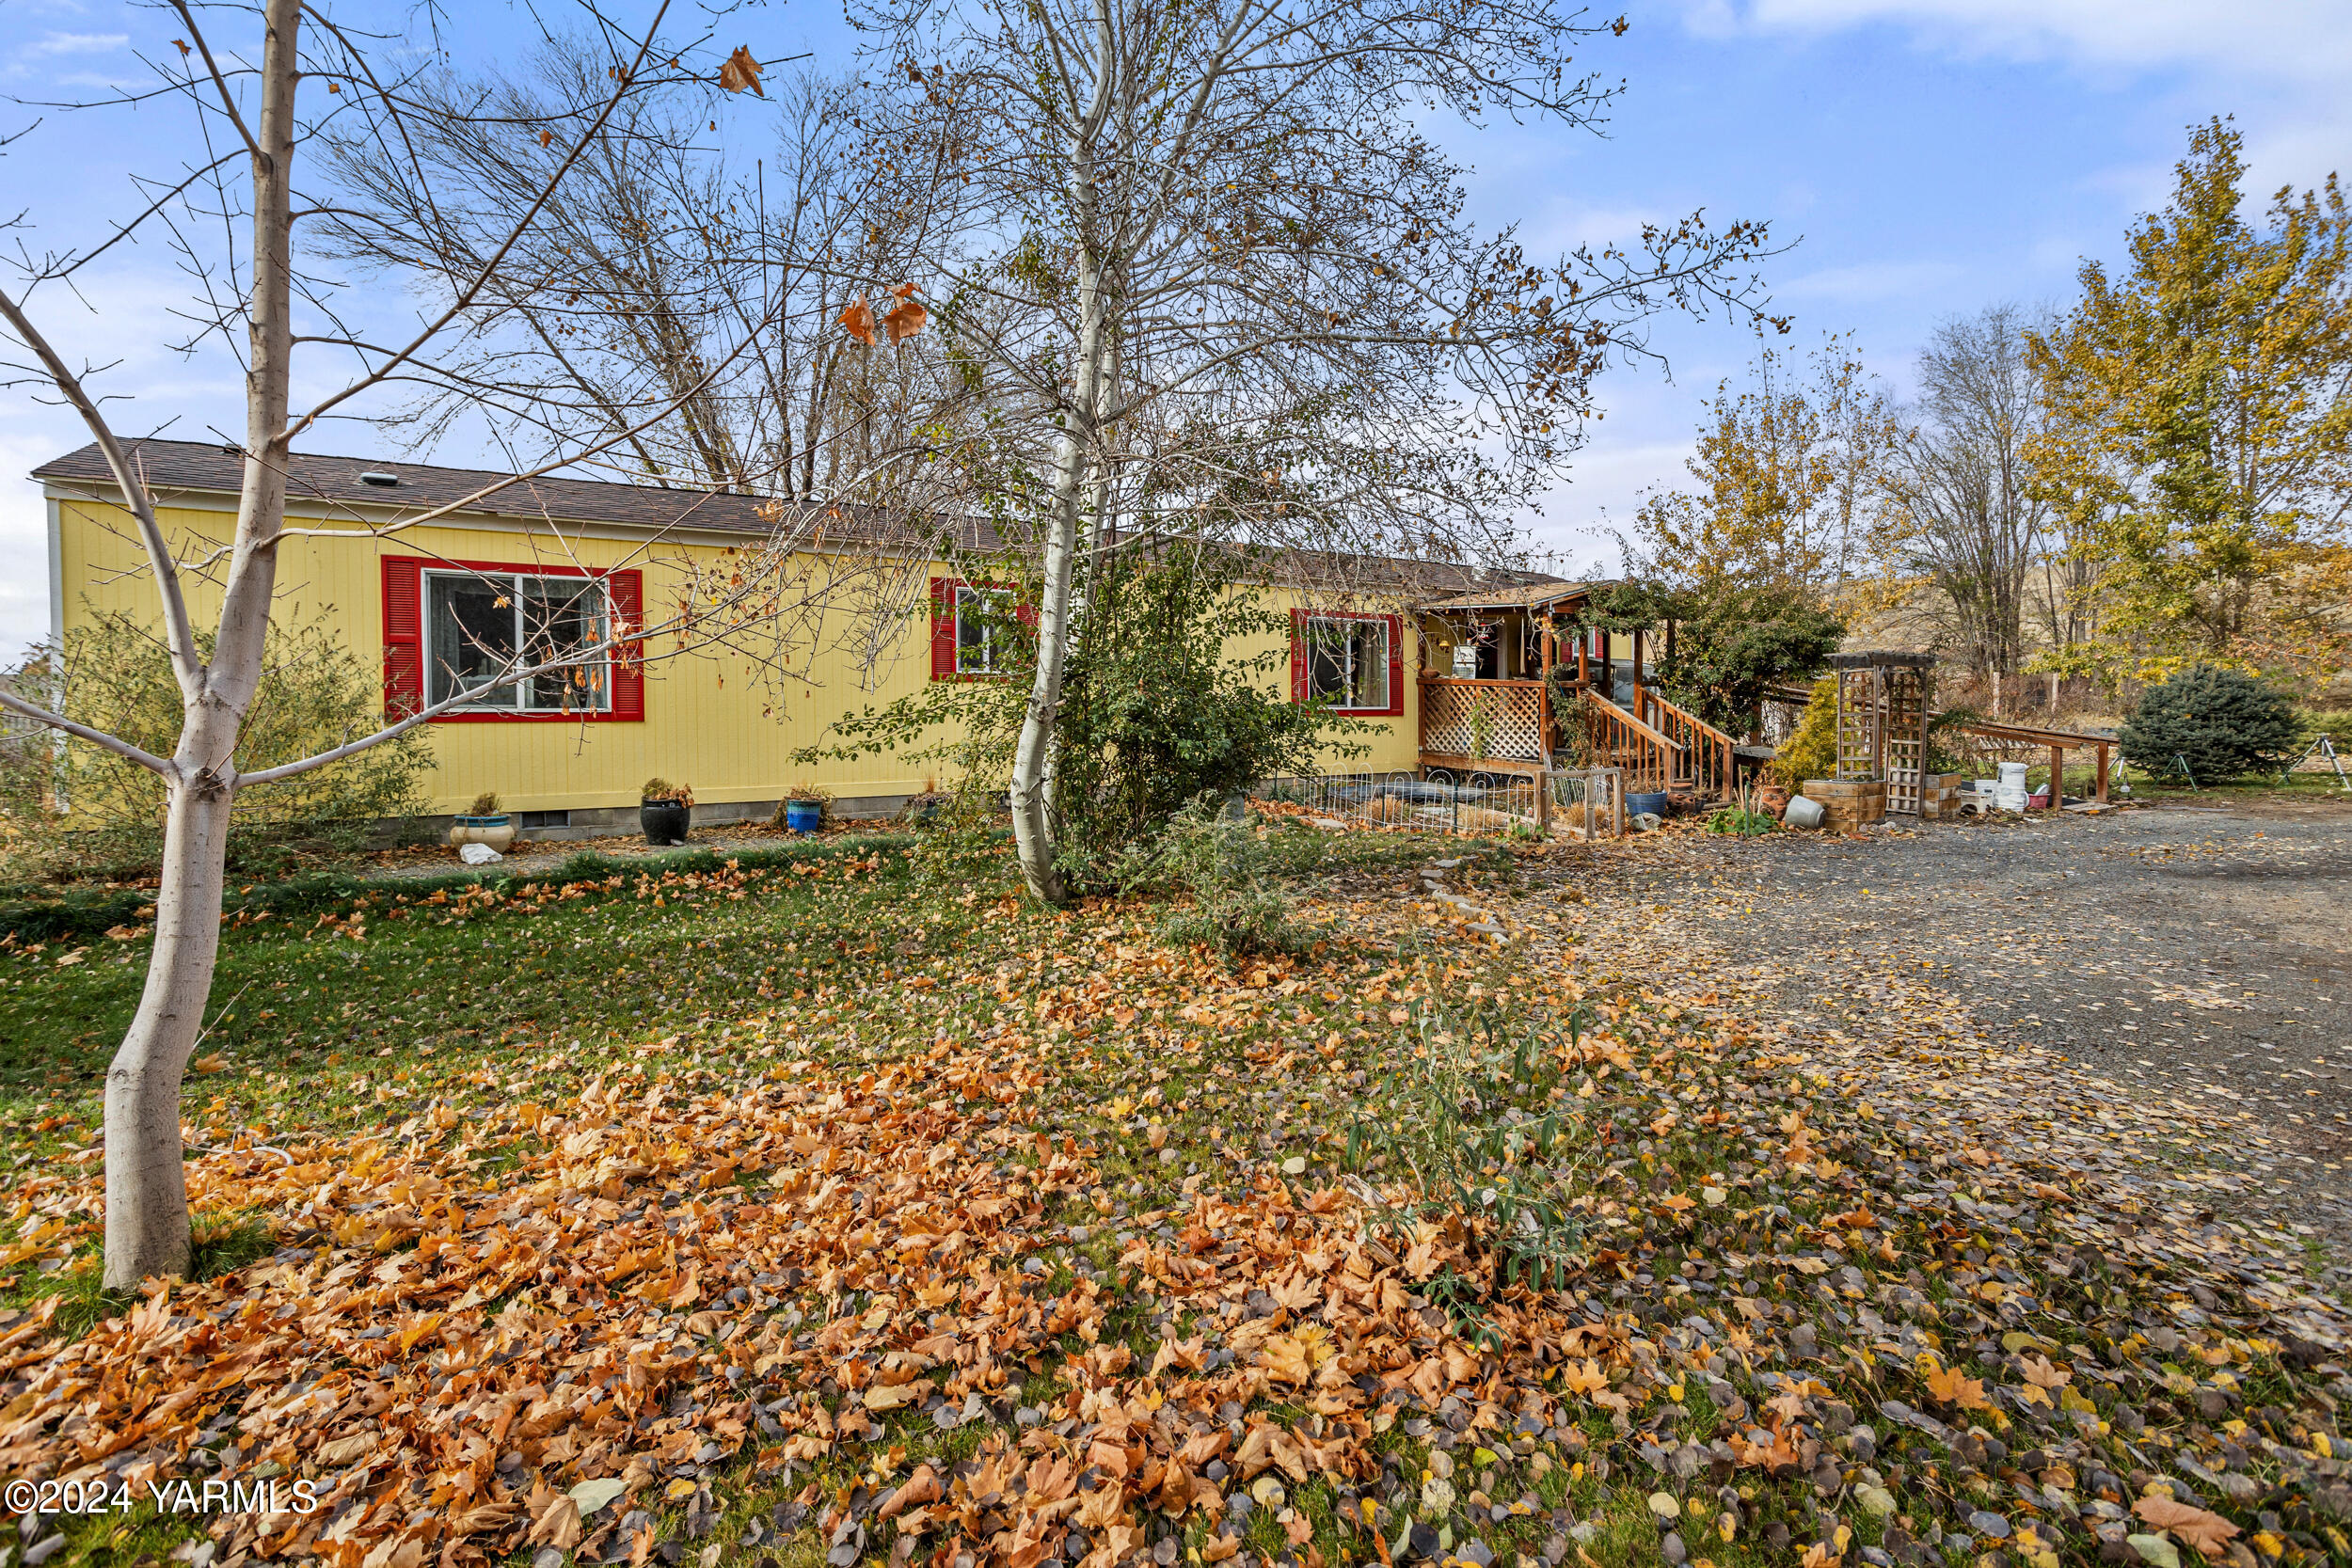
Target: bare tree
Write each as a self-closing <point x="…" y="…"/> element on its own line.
<point x="1222" y="284"/>
<point x="1964" y="516"/>
<point x="640" y="270"/>
<point x="296" y="77"/>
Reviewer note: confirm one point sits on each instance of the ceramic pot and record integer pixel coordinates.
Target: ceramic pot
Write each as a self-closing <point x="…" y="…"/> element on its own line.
<point x="803" y="817"/>
<point x="1773" y="799"/>
<point x="497" y="831"/>
<point x="665" y="821"/>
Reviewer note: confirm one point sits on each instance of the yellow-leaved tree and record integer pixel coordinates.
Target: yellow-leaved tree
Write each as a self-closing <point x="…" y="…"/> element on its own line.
<point x="1789" y="473"/>
<point x="2198" y="450"/>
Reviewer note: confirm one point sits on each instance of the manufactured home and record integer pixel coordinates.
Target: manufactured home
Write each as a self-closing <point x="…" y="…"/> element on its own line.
<point x="1446" y="667"/>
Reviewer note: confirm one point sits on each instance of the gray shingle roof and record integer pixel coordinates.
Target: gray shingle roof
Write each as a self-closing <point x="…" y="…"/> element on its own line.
<point x="212" y="467"/>
<point x="208" y="466"/>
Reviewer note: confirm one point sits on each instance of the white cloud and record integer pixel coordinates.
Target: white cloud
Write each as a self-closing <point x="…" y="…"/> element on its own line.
<point x="2305" y="39"/>
<point x="77" y="43"/>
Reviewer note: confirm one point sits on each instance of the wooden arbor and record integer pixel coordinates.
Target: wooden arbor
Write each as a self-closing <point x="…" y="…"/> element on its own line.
<point x="1883" y="722"/>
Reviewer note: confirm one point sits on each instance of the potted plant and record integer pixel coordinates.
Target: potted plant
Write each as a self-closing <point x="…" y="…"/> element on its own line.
<point x="665" y="811"/>
<point x="483" y="823"/>
<point x="1771" y="794"/>
<point x="806" y="808"/>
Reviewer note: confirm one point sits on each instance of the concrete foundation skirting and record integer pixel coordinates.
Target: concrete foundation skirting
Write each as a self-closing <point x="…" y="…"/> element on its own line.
<point x="620" y="821"/>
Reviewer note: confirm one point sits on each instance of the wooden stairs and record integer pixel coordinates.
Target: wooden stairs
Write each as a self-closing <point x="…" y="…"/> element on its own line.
<point x="1660" y="746"/>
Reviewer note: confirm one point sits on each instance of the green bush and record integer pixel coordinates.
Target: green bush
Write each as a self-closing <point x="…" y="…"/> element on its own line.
<point x="1741" y="822"/>
<point x="85" y="813"/>
<point x="2222" y="723"/>
<point x="1812" y="751"/>
<point x="1155" y="708"/>
<point x="1467" y="1114"/>
<point x="1227" y="869"/>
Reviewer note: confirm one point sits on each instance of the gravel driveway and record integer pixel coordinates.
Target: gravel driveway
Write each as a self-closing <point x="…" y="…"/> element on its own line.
<point x="2191" y="956"/>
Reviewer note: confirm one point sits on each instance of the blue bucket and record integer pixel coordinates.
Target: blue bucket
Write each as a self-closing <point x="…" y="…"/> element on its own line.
<point x="803" y="817"/>
<point x="1652" y="801"/>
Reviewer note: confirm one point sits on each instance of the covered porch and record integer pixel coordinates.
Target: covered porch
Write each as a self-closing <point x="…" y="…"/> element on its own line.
<point x="1510" y="684"/>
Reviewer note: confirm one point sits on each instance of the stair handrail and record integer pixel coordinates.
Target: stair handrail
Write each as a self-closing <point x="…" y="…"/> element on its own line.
<point x="1613" y="711"/>
<point x="1709" y="741"/>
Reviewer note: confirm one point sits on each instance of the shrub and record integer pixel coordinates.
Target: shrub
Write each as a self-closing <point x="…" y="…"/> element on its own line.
<point x="1812" y="751"/>
<point x="1467" y="1114"/>
<point x="1156" y="708"/>
<point x="93" y="813"/>
<point x="2222" y="722"/>
<point x="1227" y="869"/>
<point x="484" y="804"/>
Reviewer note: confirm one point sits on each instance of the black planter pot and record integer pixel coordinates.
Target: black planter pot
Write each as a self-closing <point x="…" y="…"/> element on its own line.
<point x="664" y="822"/>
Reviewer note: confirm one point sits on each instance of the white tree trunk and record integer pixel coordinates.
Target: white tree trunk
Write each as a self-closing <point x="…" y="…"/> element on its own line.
<point x="1033" y="754"/>
<point x="1034" y="839"/>
<point x="147" y="1195"/>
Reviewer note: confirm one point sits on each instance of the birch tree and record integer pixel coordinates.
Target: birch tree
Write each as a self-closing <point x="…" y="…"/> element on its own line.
<point x="1222" y="283"/>
<point x="266" y="86"/>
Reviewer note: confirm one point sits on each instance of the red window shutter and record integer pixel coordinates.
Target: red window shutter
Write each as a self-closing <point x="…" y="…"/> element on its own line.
<point x="1396" y="663"/>
<point x="943" y="629"/>
<point x="1299" y="655"/>
<point x="628" y="590"/>
<point x="403" y="635"/>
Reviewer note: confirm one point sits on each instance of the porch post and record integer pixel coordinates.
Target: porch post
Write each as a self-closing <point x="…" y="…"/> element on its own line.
<point x="1637" y="675"/>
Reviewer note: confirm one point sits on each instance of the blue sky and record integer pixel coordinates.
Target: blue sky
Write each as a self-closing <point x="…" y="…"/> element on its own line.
<point x="1930" y="156"/>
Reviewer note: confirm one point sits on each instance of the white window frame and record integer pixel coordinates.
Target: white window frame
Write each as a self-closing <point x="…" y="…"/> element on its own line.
<point x="1347" y="625"/>
<point x="966" y="593"/>
<point x="594" y="696"/>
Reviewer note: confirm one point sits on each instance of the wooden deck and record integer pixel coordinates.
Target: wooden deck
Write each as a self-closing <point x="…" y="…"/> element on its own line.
<point x="1509" y="727"/>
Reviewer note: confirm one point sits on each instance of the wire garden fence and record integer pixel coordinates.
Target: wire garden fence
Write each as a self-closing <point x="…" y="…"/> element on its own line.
<point x="1471" y="804"/>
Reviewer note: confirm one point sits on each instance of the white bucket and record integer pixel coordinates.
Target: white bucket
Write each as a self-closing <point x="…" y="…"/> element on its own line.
<point x="1803" y="812"/>
<point x="2009" y="793"/>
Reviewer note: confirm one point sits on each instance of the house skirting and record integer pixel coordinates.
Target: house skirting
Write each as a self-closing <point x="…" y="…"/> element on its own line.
<point x="620" y="821"/>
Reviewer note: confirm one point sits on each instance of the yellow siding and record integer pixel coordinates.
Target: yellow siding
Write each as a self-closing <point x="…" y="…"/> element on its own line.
<point x="710" y="723"/>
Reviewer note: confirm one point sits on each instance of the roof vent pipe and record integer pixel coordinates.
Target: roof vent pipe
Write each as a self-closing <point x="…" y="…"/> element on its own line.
<point x="378" y="477"/>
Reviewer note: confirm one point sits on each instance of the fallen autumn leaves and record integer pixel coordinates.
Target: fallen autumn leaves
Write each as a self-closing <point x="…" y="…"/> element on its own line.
<point x="889" y="1304"/>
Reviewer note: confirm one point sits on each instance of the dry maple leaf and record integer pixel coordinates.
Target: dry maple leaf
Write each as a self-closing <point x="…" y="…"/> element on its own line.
<point x="921" y="1487"/>
<point x="2194" y="1527"/>
<point x="858" y="322"/>
<point x="740" y="71"/>
<point x="555" y="1522"/>
<point x="2043" y="1373"/>
<point x="1586" y="1378"/>
<point x="1948" y="1386"/>
<point x="904" y="320"/>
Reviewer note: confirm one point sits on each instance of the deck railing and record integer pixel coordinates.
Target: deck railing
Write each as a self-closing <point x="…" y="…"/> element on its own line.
<point x="1707" y="750"/>
<point x="1467" y="722"/>
<point x="1650" y="759"/>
